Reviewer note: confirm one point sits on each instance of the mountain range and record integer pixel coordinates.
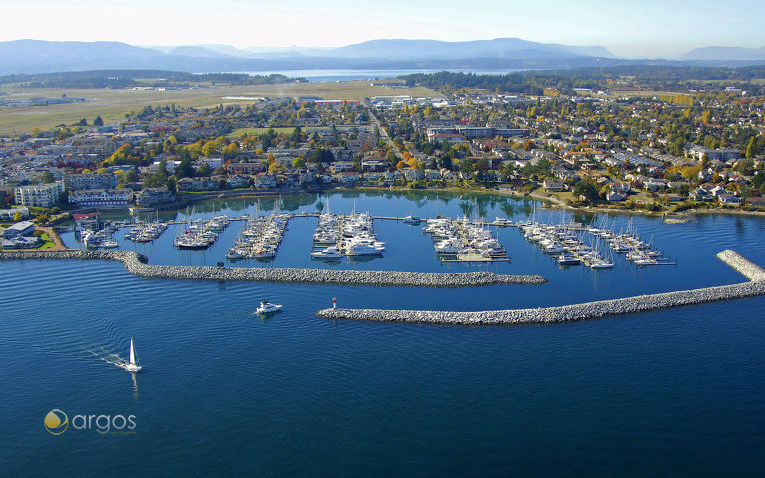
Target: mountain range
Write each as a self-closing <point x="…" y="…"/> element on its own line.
<point x="36" y="56"/>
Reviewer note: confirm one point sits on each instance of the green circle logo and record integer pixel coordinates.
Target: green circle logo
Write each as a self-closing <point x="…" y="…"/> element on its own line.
<point x="56" y="422"/>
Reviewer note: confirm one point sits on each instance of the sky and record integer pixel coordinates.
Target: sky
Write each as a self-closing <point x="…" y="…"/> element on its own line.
<point x="644" y="28"/>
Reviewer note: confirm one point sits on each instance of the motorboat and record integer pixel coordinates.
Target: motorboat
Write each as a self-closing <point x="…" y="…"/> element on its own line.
<point x="327" y="253"/>
<point x="567" y="260"/>
<point x="267" y="307"/>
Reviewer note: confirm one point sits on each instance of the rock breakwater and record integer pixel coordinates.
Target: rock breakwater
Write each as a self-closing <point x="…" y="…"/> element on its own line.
<point x="574" y="312"/>
<point x="137" y="264"/>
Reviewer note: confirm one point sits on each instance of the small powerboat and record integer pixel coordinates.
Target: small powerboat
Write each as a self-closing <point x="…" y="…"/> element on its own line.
<point x="267" y="308"/>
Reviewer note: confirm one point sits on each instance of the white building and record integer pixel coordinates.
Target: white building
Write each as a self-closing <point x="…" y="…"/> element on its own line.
<point x="101" y="197"/>
<point x="79" y="182"/>
<point x="39" y="195"/>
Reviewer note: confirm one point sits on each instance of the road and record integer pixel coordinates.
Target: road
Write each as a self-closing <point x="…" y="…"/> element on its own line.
<point x="383" y="133"/>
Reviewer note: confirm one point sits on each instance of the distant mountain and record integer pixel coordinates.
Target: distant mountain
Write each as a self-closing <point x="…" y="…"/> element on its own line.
<point x="34" y="56"/>
<point x="725" y="53"/>
<point x="501" y="48"/>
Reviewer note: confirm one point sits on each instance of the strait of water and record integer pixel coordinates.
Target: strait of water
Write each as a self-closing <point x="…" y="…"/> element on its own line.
<point x="674" y="392"/>
<point x="354" y="75"/>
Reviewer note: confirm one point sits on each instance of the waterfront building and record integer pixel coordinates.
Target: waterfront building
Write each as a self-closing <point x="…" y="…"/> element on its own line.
<point x="81" y="182"/>
<point x="39" y="195"/>
<point x="151" y="197"/>
<point x="23" y="228"/>
<point x="101" y="197"/>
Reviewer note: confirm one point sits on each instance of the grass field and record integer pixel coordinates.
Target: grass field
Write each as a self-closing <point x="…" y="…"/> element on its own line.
<point x="112" y="105"/>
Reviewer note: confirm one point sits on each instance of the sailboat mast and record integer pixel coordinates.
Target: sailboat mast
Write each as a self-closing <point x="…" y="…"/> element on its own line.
<point x="132" y="351"/>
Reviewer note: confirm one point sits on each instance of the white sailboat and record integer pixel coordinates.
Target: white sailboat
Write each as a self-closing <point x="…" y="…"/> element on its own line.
<point x="132" y="364"/>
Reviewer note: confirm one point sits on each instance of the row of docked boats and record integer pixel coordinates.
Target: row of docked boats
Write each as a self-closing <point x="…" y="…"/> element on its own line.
<point x="99" y="239"/>
<point x="565" y="245"/>
<point x="145" y="231"/>
<point x="352" y="235"/>
<point x="201" y="234"/>
<point x="464" y="239"/>
<point x="637" y="251"/>
<point x="261" y="238"/>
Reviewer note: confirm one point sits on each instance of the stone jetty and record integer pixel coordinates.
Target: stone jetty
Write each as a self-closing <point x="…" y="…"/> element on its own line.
<point x="568" y="313"/>
<point x="137" y="264"/>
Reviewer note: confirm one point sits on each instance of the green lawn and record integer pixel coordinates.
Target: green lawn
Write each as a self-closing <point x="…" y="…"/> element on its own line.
<point x="47" y="241"/>
<point x="112" y="105"/>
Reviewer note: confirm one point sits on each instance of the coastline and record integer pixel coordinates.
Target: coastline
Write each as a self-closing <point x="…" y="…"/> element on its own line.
<point x="547" y="202"/>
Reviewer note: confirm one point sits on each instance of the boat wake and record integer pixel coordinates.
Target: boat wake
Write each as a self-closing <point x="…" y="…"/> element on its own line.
<point x="108" y="356"/>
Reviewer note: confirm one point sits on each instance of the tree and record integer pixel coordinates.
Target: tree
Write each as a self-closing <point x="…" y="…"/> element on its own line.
<point x="17" y="217"/>
<point x="298" y="163"/>
<point x="47" y="177"/>
<point x="185" y="169"/>
<point x="275" y="168"/>
<point x="204" y="170"/>
<point x="751" y="148"/>
<point x="98" y="121"/>
<point x="127" y="177"/>
<point x="321" y="155"/>
<point x="297" y="136"/>
<point x="587" y="190"/>
<point x="391" y="157"/>
<point x="267" y="139"/>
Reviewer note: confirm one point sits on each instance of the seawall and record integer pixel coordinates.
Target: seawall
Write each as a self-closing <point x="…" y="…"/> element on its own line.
<point x="574" y="312"/>
<point x="136" y="264"/>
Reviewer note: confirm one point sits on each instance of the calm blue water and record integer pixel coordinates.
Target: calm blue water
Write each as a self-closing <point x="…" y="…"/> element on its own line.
<point x="671" y="392"/>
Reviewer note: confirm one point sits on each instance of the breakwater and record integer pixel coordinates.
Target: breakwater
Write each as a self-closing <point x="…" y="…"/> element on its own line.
<point x="137" y="264"/>
<point x="574" y="312"/>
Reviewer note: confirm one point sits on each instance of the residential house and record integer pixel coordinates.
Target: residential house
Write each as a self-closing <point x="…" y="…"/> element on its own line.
<point x="414" y="174"/>
<point x="265" y="181"/>
<point x="151" y="197"/>
<point x="247" y="168"/>
<point x="432" y="174"/>
<point x="10" y="214"/>
<point x="238" y="181"/>
<point x="210" y="183"/>
<point x="347" y="177"/>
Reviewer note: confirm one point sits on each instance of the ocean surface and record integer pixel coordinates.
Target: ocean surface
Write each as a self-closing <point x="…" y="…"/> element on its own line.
<point x="676" y="392"/>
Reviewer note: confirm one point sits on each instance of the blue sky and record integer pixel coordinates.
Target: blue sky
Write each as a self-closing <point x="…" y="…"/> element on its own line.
<point x="629" y="28"/>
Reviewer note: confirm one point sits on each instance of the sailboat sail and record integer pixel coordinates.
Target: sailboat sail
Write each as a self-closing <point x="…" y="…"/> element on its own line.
<point x="132" y="352"/>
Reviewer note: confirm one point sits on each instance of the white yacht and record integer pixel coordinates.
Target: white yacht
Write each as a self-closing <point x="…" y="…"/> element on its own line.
<point x="132" y="364"/>
<point x="356" y="249"/>
<point x="328" y="253"/>
<point x="267" y="307"/>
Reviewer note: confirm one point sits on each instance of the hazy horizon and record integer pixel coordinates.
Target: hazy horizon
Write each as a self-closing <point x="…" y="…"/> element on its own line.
<point x="648" y="28"/>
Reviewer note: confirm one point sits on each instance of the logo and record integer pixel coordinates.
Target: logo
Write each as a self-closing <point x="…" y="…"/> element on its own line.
<point x="56" y="422"/>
